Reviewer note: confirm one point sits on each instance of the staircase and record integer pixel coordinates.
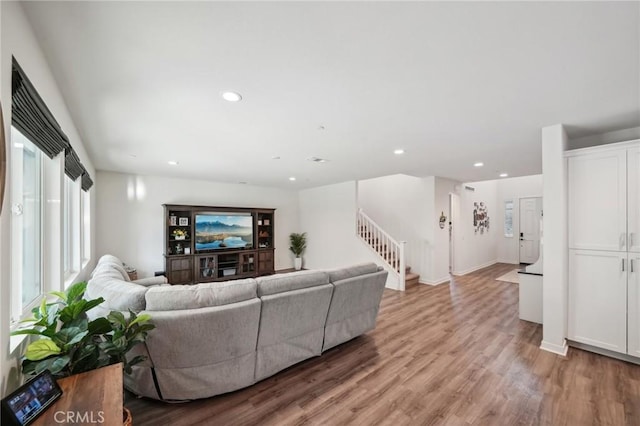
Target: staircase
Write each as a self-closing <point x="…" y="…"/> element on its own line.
<point x="389" y="250"/>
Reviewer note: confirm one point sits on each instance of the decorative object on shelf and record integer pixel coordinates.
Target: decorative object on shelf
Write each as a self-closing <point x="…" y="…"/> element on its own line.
<point x="187" y="250"/>
<point x="72" y="344"/>
<point x="184" y="221"/>
<point x="480" y="217"/>
<point x="443" y="220"/>
<point x="179" y="234"/>
<point x="178" y="248"/>
<point x="298" y="244"/>
<point x="267" y="222"/>
<point x="173" y="220"/>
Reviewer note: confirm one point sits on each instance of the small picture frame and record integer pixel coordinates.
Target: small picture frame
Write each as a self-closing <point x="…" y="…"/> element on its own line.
<point x="173" y="220"/>
<point x="183" y="221"/>
<point x="267" y="222"/>
<point x="187" y="250"/>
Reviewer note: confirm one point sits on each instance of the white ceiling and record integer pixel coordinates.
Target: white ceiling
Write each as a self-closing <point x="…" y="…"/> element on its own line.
<point x="451" y="83"/>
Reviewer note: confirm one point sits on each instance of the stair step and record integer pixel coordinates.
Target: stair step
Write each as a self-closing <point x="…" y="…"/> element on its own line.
<point x="411" y="280"/>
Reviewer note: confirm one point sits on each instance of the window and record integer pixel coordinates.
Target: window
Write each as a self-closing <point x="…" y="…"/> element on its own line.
<point x="26" y="224"/>
<point x="86" y="226"/>
<point x="71" y="231"/>
<point x="508" y="218"/>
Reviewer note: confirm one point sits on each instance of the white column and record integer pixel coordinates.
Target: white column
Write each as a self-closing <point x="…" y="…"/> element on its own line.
<point x="555" y="251"/>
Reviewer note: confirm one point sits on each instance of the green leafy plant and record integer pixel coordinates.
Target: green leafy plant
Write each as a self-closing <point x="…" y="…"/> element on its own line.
<point x="298" y="243"/>
<point x="72" y="344"/>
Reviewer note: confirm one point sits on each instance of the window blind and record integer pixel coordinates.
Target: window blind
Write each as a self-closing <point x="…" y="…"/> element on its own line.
<point x="31" y="116"/>
<point x="72" y="165"/>
<point x="86" y="182"/>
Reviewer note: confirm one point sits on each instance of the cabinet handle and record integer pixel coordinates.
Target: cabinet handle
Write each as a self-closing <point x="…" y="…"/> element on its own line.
<point x="630" y="239"/>
<point x="623" y="238"/>
<point x="631" y="266"/>
<point x="622" y="265"/>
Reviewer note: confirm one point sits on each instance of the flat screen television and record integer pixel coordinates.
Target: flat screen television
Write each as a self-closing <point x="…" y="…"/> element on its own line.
<point x="223" y="231"/>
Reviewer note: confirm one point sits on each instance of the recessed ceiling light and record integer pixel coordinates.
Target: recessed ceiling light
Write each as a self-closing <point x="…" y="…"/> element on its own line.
<point x="398" y="151"/>
<point x="478" y="164"/>
<point x="504" y="174"/>
<point x="172" y="163"/>
<point x="292" y="178"/>
<point x="242" y="183"/>
<point x="320" y="127"/>
<point x="231" y="96"/>
<point x="275" y="157"/>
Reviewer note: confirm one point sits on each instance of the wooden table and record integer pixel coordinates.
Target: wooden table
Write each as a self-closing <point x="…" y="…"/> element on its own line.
<point x="90" y="398"/>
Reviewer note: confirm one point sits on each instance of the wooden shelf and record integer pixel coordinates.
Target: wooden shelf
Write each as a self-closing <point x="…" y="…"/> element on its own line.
<point x="181" y="268"/>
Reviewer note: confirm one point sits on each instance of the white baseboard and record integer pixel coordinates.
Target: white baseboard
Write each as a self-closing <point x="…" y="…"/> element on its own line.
<point x="509" y="261"/>
<point x="475" y="268"/>
<point x="556" y="349"/>
<point x="436" y="282"/>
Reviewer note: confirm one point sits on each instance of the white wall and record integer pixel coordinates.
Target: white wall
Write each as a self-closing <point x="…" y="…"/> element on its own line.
<point x="438" y="269"/>
<point x="512" y="189"/>
<point x="17" y="39"/>
<point x="328" y="216"/>
<point x="475" y="251"/>
<point x="402" y="205"/>
<point x="131" y="215"/>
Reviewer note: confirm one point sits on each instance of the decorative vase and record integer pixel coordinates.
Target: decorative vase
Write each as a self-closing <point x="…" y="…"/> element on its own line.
<point x="297" y="263"/>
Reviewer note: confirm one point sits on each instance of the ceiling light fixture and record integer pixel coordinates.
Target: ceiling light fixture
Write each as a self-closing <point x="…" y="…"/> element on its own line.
<point x="292" y="178"/>
<point x="172" y="163"/>
<point x="275" y="157"/>
<point x="398" y="151"/>
<point x="504" y="174"/>
<point x="231" y="96"/>
<point x="478" y="164"/>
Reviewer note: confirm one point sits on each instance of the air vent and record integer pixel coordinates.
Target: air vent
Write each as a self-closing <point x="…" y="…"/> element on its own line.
<point x="469" y="188"/>
<point x="317" y="160"/>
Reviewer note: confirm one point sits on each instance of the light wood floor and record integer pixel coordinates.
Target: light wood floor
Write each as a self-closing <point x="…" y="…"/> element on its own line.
<point x="453" y="354"/>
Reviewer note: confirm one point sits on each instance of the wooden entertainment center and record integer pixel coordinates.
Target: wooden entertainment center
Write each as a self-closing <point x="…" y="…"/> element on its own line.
<point x="205" y="244"/>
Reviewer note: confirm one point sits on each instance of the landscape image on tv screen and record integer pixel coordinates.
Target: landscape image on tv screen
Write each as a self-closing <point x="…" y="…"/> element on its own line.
<point x="223" y="231"/>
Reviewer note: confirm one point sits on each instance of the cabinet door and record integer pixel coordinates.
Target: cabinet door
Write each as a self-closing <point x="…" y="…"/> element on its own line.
<point x="633" y="304"/>
<point x="598" y="299"/>
<point x="265" y="262"/>
<point x="633" y="190"/>
<point x="180" y="270"/>
<point x="598" y="201"/>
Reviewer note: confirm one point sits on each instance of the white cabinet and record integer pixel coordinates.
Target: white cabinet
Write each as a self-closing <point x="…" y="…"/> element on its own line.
<point x="633" y="198"/>
<point x="604" y="247"/>
<point x="598" y="201"/>
<point x="633" y="304"/>
<point x="598" y="298"/>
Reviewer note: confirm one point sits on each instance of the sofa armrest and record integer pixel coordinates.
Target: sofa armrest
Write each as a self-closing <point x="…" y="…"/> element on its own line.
<point x="149" y="281"/>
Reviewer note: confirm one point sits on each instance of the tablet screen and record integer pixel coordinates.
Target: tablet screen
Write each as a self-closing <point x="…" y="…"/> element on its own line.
<point x="32" y="398"/>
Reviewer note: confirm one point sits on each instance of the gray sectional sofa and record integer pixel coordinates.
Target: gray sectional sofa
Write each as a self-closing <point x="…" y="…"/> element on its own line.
<point x="219" y="337"/>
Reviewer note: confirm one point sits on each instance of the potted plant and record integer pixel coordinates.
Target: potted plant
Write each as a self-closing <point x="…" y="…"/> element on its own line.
<point x="298" y="244"/>
<point x="71" y="344"/>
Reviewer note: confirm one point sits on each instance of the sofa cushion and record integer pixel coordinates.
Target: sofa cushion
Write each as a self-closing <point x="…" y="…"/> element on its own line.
<point x="109" y="258"/>
<point x="110" y="267"/>
<point x="118" y="294"/>
<point x="352" y="271"/>
<point x="280" y="283"/>
<point x="176" y="297"/>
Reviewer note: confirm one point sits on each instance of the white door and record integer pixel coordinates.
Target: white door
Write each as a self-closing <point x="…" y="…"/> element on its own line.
<point x="598" y="298"/>
<point x="454" y="212"/>
<point x="633" y="304"/>
<point x="598" y="201"/>
<point x="530" y="214"/>
<point x="633" y="199"/>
